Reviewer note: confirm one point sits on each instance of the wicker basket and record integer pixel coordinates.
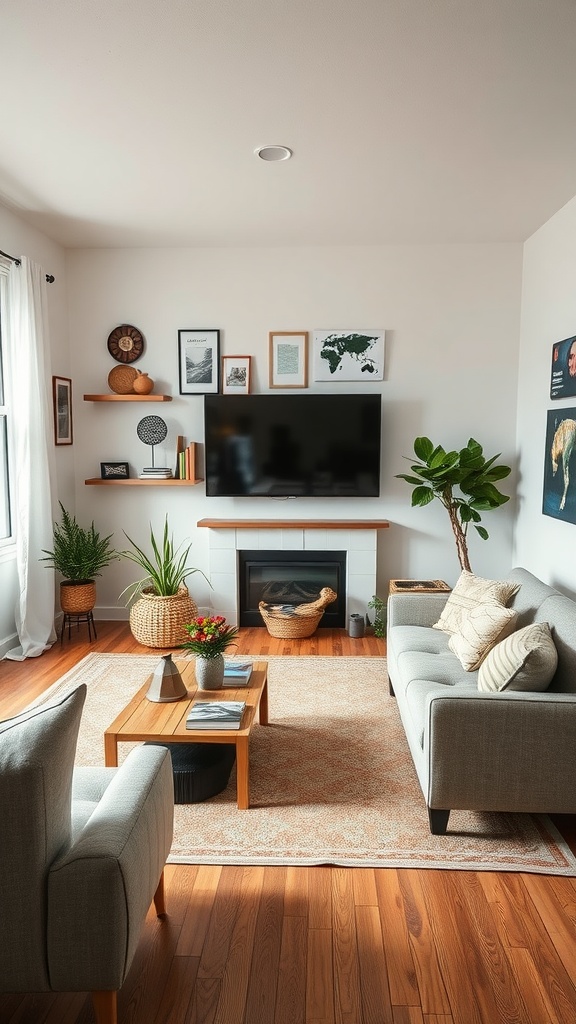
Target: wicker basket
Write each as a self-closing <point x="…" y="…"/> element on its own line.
<point x="77" y="598"/>
<point x="301" y="621"/>
<point x="159" y="621"/>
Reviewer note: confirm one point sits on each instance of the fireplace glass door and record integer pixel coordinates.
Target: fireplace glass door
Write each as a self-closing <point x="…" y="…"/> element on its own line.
<point x="291" y="577"/>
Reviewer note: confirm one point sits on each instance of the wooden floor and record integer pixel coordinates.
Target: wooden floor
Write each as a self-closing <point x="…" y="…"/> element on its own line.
<point x="327" y="945"/>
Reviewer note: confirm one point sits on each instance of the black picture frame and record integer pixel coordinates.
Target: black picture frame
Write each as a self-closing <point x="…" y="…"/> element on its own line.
<point x="563" y="369"/>
<point x="114" y="471"/>
<point x="199" y="362"/>
<point x="559" y="489"/>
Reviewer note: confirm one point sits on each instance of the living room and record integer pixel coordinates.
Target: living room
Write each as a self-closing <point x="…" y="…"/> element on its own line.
<point x="470" y="318"/>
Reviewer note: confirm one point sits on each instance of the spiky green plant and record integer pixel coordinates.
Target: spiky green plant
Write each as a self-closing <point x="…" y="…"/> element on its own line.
<point x="79" y="553"/>
<point x="440" y="474"/>
<point x="166" y="567"/>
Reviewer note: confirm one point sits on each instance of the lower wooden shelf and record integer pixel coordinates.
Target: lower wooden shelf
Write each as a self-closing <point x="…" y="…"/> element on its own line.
<point x="137" y="482"/>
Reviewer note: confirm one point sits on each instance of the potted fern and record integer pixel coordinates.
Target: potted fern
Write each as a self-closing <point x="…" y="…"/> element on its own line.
<point x="79" y="554"/>
<point x="161" y="603"/>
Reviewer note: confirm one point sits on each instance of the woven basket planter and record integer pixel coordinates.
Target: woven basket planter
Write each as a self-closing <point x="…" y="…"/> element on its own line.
<point x="77" y="598"/>
<point x="159" y="621"/>
<point x="301" y="621"/>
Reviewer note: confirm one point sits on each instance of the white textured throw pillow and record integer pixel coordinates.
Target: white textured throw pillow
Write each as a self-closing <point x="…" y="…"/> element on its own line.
<point x="471" y="590"/>
<point x="526" y="660"/>
<point x="482" y="628"/>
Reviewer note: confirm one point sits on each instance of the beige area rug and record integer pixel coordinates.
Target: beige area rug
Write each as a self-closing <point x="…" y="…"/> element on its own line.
<point x="331" y="779"/>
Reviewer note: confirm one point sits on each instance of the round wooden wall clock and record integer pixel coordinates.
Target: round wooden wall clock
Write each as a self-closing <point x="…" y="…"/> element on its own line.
<point x="126" y="344"/>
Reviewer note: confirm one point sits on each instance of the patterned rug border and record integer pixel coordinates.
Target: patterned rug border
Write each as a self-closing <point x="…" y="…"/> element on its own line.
<point x="565" y="860"/>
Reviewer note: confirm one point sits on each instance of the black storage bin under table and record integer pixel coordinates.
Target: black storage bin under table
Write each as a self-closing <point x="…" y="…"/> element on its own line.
<point x="200" y="770"/>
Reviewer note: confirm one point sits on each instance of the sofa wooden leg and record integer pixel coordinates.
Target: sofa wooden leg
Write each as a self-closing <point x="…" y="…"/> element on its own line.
<point x="438" y="821"/>
<point x="159" y="903"/>
<point x="105" y="1007"/>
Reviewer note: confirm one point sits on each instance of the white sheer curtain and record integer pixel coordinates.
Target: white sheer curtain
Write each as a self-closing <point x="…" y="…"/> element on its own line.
<point x="26" y="339"/>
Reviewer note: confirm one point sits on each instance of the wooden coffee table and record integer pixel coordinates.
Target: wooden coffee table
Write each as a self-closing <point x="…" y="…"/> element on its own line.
<point x="146" y="720"/>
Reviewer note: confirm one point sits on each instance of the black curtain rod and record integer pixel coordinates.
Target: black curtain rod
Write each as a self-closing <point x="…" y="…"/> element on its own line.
<point x="49" y="277"/>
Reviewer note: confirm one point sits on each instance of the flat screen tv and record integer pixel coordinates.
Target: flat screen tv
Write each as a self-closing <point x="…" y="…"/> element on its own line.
<point x="285" y="446"/>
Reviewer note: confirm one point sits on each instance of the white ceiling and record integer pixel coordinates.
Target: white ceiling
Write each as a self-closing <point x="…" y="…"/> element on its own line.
<point x="133" y="122"/>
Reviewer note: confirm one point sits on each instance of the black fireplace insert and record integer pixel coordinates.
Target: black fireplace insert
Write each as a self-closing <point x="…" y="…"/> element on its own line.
<point x="291" y="577"/>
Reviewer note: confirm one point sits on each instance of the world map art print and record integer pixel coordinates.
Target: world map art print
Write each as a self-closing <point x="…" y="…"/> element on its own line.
<point x="349" y="355"/>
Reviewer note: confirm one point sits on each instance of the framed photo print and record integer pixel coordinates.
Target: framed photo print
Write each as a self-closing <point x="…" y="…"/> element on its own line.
<point x="349" y="355"/>
<point x="62" y="400"/>
<point x="114" y="471"/>
<point x="563" y="372"/>
<point x="236" y="375"/>
<point x="199" y="362"/>
<point x="559" y="489"/>
<point x="288" y="359"/>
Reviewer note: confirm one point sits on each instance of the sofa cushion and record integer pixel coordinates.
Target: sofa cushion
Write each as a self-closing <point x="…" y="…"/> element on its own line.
<point x="470" y="591"/>
<point x="526" y="660"/>
<point x="480" y="629"/>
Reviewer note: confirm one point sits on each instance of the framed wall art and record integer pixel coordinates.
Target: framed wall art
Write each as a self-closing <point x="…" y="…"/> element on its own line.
<point x="349" y="355"/>
<point x="114" y="471"/>
<point x="62" y="401"/>
<point x="288" y="359"/>
<point x="199" y="362"/>
<point x="236" y="375"/>
<point x="559" y="490"/>
<point x="563" y="371"/>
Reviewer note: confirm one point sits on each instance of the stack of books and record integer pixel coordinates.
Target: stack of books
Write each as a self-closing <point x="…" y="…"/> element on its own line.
<point x="216" y="714"/>
<point x="185" y="459"/>
<point x="237" y="673"/>
<point x="156" y="473"/>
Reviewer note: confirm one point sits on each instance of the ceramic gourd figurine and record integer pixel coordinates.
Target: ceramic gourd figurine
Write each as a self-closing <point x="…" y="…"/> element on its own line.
<point x="143" y="384"/>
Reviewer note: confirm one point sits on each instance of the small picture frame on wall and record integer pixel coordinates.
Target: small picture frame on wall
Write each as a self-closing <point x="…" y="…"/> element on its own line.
<point x="62" y="401"/>
<point x="199" y="362"/>
<point x="236" y="375"/>
<point x="114" y="471"/>
<point x="288" y="359"/>
<point x="563" y="371"/>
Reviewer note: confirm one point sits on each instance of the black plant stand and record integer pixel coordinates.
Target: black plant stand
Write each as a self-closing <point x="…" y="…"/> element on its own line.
<point x="78" y="617"/>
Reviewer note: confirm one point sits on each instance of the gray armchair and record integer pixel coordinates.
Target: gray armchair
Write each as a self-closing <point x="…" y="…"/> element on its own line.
<point x="82" y="855"/>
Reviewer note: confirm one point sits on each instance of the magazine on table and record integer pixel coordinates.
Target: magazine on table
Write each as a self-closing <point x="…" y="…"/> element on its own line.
<point x="238" y="672"/>
<point x="216" y="714"/>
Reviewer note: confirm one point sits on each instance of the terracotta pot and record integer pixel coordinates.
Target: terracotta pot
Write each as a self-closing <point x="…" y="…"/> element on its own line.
<point x="77" y="598"/>
<point x="143" y="384"/>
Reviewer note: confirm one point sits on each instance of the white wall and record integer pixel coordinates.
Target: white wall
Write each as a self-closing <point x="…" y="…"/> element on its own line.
<point x="19" y="239"/>
<point x="452" y="319"/>
<point x="544" y="545"/>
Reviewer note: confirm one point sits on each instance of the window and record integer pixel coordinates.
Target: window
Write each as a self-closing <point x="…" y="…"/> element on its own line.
<point x="5" y="517"/>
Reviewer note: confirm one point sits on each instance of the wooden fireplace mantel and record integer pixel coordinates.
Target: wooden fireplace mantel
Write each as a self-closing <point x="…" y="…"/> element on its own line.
<point x="294" y="524"/>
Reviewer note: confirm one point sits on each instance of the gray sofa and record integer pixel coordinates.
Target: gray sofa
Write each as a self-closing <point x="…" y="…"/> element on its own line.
<point x="505" y="751"/>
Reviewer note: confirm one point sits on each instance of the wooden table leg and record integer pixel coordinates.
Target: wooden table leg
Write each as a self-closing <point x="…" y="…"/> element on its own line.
<point x="242" y="773"/>
<point x="263" y="709"/>
<point x="110" y="751"/>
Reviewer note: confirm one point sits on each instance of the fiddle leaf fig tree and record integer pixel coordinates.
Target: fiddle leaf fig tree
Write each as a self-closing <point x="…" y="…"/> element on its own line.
<point x="465" y="483"/>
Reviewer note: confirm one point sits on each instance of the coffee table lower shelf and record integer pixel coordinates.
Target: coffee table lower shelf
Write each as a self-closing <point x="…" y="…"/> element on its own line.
<point x="143" y="720"/>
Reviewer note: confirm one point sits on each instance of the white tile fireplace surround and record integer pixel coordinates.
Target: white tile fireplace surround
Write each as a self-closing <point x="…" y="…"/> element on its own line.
<point x="358" y="538"/>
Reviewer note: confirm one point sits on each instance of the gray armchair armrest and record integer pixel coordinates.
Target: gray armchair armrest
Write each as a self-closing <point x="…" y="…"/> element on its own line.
<point x="501" y="751"/>
<point x="121" y="853"/>
<point x="415" y="609"/>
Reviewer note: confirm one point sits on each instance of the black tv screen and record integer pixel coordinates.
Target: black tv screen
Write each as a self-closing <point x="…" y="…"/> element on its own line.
<point x="292" y="445"/>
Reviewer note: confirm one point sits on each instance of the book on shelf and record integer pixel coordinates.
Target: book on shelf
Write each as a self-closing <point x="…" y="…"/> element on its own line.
<point x="187" y="462"/>
<point x="180" y="446"/>
<point x="149" y="473"/>
<point x="216" y="714"/>
<point x="237" y="672"/>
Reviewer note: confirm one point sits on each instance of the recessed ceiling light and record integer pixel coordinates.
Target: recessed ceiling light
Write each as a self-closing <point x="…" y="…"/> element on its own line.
<point x="273" y="153"/>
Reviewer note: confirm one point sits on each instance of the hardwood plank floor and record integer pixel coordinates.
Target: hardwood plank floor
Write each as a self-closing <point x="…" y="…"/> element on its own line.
<point x="326" y="945"/>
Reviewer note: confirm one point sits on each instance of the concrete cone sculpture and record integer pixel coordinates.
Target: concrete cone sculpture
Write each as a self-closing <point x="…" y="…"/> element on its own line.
<point x="166" y="684"/>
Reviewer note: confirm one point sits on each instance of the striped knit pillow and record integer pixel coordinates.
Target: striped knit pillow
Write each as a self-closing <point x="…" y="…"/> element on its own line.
<point x="526" y="660"/>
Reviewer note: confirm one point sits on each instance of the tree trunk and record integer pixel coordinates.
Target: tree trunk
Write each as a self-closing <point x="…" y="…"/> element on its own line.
<point x="460" y="536"/>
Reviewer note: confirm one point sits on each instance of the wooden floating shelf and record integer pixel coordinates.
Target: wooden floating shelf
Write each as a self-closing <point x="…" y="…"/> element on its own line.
<point x="294" y="524"/>
<point x="137" y="482"/>
<point x="127" y="398"/>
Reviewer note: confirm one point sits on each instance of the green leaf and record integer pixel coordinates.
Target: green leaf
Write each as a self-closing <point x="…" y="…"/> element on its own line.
<point x="422" y="496"/>
<point x="483" y="533"/>
<point x="423" y="448"/>
<point x="415" y="480"/>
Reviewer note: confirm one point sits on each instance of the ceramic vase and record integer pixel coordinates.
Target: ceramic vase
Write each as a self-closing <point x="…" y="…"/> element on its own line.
<point x="209" y="672"/>
<point x="143" y="384"/>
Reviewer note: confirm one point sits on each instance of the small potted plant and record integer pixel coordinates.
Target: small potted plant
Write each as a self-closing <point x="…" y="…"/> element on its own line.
<point x="379" y="624"/>
<point x="208" y="638"/>
<point x="79" y="554"/>
<point x="161" y="601"/>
